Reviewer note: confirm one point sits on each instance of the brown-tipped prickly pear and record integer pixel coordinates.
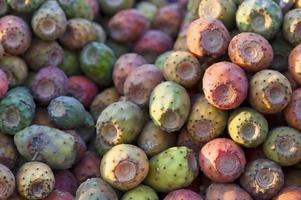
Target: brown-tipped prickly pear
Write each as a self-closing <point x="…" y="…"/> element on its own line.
<point x="250" y="51"/>
<point x="225" y="85"/>
<point x="292" y="112"/>
<point x="205" y="121"/>
<point x="49" y="83"/>
<point x="8" y="152"/>
<point x="169" y="106"/>
<point x="95" y="188"/>
<point x="59" y="195"/>
<point x="124" y="166"/>
<point x="120" y="122"/>
<point x="292" y="26"/>
<point x="43" y="54"/>
<point x="50" y="145"/>
<point x="207" y="37"/>
<point x="283" y="146"/>
<point x="78" y="9"/>
<point x="172" y="169"/>
<point x="289" y="193"/>
<point x="269" y="91"/>
<point x="140" y="83"/>
<point x="49" y="21"/>
<point x="141" y="192"/>
<point x="183" y="194"/>
<point x="15" y="34"/>
<point x="24" y="6"/>
<point x="262" y="179"/>
<point x="294" y="63"/>
<point x="7" y="182"/>
<point x="226" y="191"/>
<point x="65" y="181"/>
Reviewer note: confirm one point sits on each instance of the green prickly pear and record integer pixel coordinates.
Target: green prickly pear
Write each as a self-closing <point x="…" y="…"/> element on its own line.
<point x="24" y="6"/>
<point x="141" y="192"/>
<point x="160" y="61"/>
<point x="292" y="26"/>
<point x="148" y="10"/>
<point x="77" y="9"/>
<point x="70" y="64"/>
<point x="109" y="7"/>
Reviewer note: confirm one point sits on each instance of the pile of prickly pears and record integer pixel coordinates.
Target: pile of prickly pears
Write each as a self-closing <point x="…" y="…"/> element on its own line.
<point x="150" y="99"/>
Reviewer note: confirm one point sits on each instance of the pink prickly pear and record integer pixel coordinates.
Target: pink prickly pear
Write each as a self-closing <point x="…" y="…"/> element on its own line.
<point x="3" y="83"/>
<point x="59" y="195"/>
<point x="65" y="181"/>
<point x="183" y="194"/>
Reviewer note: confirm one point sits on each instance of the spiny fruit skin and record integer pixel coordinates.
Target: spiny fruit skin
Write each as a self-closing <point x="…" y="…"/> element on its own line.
<point x="161" y="60"/>
<point x="291" y="112"/>
<point x="50" y="145"/>
<point x="225" y="85"/>
<point x="41" y="117"/>
<point x="291" y="26"/>
<point x="49" y="22"/>
<point x="7" y="182"/>
<point x="294" y="63"/>
<point x="283" y="146"/>
<point x="59" y="195"/>
<point x="4" y="8"/>
<point x="259" y="16"/>
<point x="226" y="191"/>
<point x="79" y="32"/>
<point x="15" y="34"/>
<point x="269" y="91"/>
<point x="172" y="169"/>
<point x="185" y="139"/>
<point x="8" y="152"/>
<point x="247" y="127"/>
<point x="292" y="177"/>
<point x="153" y="140"/>
<point x="82" y="88"/>
<point x="169" y="106"/>
<point x="24" y="6"/>
<point x="120" y="122"/>
<point x="65" y="181"/>
<point x="102" y="100"/>
<point x="140" y="83"/>
<point x="97" y="61"/>
<point x="123" y="67"/>
<point x="250" y="51"/>
<point x="183" y="68"/>
<point x="207" y="37"/>
<point x="44" y="53"/>
<point x="17" y="110"/>
<point x="127" y="25"/>
<point x="142" y="192"/>
<point x="147" y="9"/>
<point x="124" y="166"/>
<point x="49" y="83"/>
<point x="110" y="8"/>
<point x="222" y="160"/>
<point x="205" y="121"/>
<point x="95" y="188"/>
<point x="77" y="9"/>
<point x="183" y="194"/>
<point x="223" y="10"/>
<point x="70" y="64"/>
<point x="87" y="167"/>
<point x="152" y="44"/>
<point x="101" y="35"/>
<point x="289" y="193"/>
<point x="262" y="179"/>
<point x="3" y="83"/>
<point x="66" y="112"/>
<point x="35" y="180"/>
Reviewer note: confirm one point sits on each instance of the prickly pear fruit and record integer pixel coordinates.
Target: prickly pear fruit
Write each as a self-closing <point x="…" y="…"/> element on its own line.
<point x="259" y="16"/>
<point x="223" y="10"/>
<point x="59" y="195"/>
<point x="269" y="91"/>
<point x="123" y="67"/>
<point x="24" y="6"/>
<point x="152" y="44"/>
<point x="65" y="181"/>
<point x="183" y="194"/>
<point x="87" y="167"/>
<point x="124" y="166"/>
<point x="292" y="81"/>
<point x="247" y="127"/>
<point x="80" y="145"/>
<point x="119" y="123"/>
<point x="226" y="191"/>
<point x="289" y="193"/>
<point x="4" y="8"/>
<point x="102" y="100"/>
<point x="225" y="85"/>
<point x="87" y="130"/>
<point x="46" y="144"/>
<point x="169" y="106"/>
<point x="7" y="182"/>
<point x="207" y="37"/>
<point x="153" y="140"/>
<point x="77" y="9"/>
<point x="101" y="35"/>
<point x="185" y="139"/>
<point x="95" y="188"/>
<point x="15" y="34"/>
<point x="101" y="147"/>
<point x="8" y="152"/>
<point x="147" y="9"/>
<point x="222" y="160"/>
<point x="292" y="177"/>
<point x="172" y="169"/>
<point x="42" y="54"/>
<point x="17" y="110"/>
<point x="49" y="22"/>
<point x="140" y="83"/>
<point x="127" y="25"/>
<point x="294" y="63"/>
<point x="3" y="83"/>
<point x="70" y="64"/>
<point x="97" y="61"/>
<point x="262" y="179"/>
<point x="79" y="32"/>
<point x="49" y="83"/>
<point x="205" y="121"/>
<point x="183" y="68"/>
<point x="160" y="61"/>
<point x="292" y="26"/>
<point x="250" y="51"/>
<point x="110" y="8"/>
<point x="141" y="192"/>
<point x="283" y="146"/>
<point x="292" y="113"/>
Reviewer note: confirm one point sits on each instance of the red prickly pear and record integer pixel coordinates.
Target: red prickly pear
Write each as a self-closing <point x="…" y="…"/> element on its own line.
<point x="226" y="191"/>
<point x="59" y="195"/>
<point x="3" y="83"/>
<point x="292" y="112"/>
<point x="7" y="182"/>
<point x="222" y="160"/>
<point x="183" y="194"/>
<point x="65" y="181"/>
<point x="289" y="193"/>
<point x="225" y="85"/>
<point x="8" y="152"/>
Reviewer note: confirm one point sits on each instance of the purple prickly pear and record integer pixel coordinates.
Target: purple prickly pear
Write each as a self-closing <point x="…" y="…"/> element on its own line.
<point x="3" y="83"/>
<point x="59" y="195"/>
<point x="226" y="191"/>
<point x="80" y="145"/>
<point x="8" y="152"/>
<point x="183" y="194"/>
<point x="7" y="182"/>
<point x="65" y="181"/>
